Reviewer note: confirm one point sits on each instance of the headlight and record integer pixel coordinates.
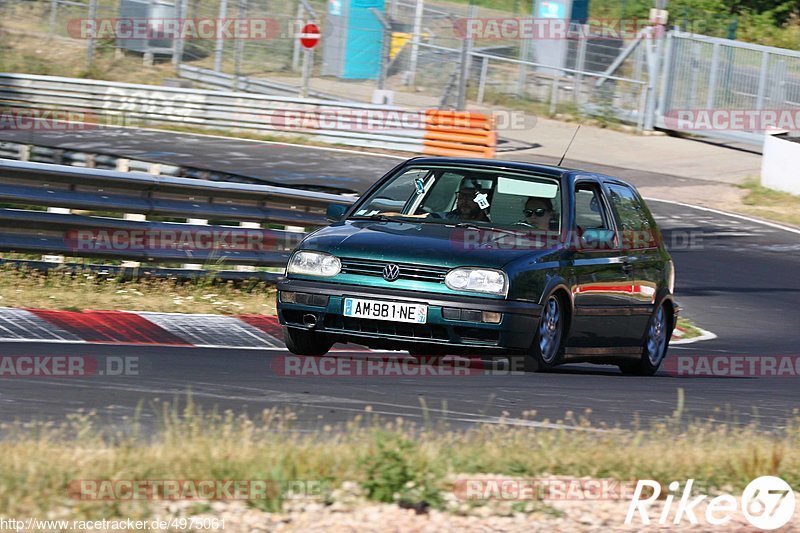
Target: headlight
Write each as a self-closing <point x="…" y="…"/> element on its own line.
<point x="477" y="280"/>
<point x="314" y="264"/>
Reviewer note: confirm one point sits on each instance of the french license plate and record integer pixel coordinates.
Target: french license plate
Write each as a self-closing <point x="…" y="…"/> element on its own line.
<point x="378" y="310"/>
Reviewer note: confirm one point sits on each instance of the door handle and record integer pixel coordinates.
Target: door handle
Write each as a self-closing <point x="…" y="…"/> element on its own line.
<point x="627" y="267"/>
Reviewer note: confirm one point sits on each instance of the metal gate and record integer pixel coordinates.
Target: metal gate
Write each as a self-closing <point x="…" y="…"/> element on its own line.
<point x="705" y="78"/>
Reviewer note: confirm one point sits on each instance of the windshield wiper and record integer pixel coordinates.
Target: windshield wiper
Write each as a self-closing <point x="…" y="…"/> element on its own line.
<point x="472" y="225"/>
<point x="384" y="218"/>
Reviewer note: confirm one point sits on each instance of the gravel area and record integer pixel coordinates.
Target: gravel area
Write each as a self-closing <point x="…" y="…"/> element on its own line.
<point x="350" y="512"/>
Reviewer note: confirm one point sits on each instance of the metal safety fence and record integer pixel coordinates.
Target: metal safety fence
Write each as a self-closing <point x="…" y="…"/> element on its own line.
<point x="58" y="211"/>
<point x="716" y="79"/>
<point x="417" y="48"/>
<point x="428" y="132"/>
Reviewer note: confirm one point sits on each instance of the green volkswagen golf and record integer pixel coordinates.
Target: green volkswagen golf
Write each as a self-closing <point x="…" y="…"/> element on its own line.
<point x="467" y="256"/>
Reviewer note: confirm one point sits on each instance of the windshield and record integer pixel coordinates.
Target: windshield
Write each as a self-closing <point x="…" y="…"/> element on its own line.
<point x="457" y="195"/>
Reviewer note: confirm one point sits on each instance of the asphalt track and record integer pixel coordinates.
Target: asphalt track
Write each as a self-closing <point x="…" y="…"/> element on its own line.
<point x="736" y="278"/>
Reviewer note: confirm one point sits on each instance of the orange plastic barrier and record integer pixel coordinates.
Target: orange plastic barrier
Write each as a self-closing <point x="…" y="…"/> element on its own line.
<point x="459" y="133"/>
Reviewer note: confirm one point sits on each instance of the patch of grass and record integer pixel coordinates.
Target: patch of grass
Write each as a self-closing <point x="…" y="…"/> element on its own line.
<point x="767" y="203"/>
<point x="690" y="331"/>
<point x="88" y="290"/>
<point x="391" y="460"/>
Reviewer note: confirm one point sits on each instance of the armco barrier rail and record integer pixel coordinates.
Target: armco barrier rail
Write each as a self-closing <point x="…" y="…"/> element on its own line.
<point x="385" y="127"/>
<point x="211" y="79"/>
<point x="28" y="231"/>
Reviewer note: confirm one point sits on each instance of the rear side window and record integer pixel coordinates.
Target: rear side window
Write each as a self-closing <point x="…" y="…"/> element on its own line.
<point x="589" y="209"/>
<point x="638" y="230"/>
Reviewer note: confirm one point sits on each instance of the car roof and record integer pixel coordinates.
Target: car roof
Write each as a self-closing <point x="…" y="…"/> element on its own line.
<point x="569" y="174"/>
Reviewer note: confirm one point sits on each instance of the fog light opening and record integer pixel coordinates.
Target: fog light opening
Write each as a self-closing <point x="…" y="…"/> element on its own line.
<point x="491" y="317"/>
<point x="288" y="297"/>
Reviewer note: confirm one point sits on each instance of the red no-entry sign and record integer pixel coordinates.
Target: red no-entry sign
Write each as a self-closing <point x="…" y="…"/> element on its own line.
<point x="309" y="36"/>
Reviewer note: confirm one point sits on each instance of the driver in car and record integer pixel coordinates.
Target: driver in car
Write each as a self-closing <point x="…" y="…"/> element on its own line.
<point x="472" y="203"/>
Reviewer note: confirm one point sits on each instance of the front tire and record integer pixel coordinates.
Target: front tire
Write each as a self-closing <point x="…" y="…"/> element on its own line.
<point x="547" y="343"/>
<point x="655" y="346"/>
<point x="304" y="342"/>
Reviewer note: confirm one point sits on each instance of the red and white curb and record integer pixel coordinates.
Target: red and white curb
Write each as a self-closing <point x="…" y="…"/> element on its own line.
<point x="131" y="327"/>
<point x="165" y="329"/>
<point x="679" y="333"/>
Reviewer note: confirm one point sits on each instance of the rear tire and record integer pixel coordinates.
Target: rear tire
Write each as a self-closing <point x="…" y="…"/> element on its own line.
<point x="304" y="342"/>
<point x="655" y="346"/>
<point x="548" y="342"/>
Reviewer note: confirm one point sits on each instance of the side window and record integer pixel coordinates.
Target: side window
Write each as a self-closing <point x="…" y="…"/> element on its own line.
<point x="589" y="212"/>
<point x="636" y="226"/>
<point x="592" y="221"/>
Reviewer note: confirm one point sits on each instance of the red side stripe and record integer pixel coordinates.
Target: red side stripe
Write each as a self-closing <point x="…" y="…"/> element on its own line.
<point x="267" y="324"/>
<point x="109" y="326"/>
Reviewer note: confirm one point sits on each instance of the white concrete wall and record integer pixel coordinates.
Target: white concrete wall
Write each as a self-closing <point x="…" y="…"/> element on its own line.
<point x="780" y="166"/>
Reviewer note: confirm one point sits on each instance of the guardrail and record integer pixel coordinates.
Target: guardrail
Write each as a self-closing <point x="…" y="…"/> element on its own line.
<point x="211" y="79"/>
<point x="94" y="231"/>
<point x="353" y="124"/>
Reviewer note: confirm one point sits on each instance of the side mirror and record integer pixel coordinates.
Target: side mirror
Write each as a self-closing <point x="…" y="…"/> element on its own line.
<point x="598" y="239"/>
<point x="335" y="212"/>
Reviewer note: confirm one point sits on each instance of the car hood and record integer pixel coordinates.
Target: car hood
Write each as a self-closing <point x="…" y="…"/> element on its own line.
<point x="420" y="243"/>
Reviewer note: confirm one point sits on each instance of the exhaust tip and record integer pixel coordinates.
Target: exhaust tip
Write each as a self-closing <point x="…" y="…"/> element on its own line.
<point x="309" y="321"/>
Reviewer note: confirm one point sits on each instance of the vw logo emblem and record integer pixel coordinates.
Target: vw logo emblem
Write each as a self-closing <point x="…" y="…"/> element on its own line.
<point x="391" y="272"/>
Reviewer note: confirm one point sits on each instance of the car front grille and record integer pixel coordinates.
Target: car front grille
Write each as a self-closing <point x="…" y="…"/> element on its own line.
<point x="407" y="271"/>
<point x="385" y="327"/>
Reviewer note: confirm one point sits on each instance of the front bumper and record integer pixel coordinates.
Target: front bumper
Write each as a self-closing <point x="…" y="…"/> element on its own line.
<point x="514" y="332"/>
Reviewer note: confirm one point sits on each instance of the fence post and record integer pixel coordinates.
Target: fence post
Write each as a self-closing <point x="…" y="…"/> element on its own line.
<point x="248" y="225"/>
<point x="482" y="83"/>
<point x="295" y="40"/>
<point x="554" y="94"/>
<point x="762" y="80"/>
<point x="463" y="75"/>
<point x="177" y="40"/>
<point x="90" y="44"/>
<point x="580" y="61"/>
<point x="386" y="37"/>
<point x="137" y="217"/>
<point x="220" y="43"/>
<point x="666" y="77"/>
<point x="53" y="17"/>
<point x="654" y="61"/>
<point x="239" y="52"/>
<point x="412" y="64"/>
<point x="712" y="80"/>
<point x="196" y="222"/>
<point x="55" y="258"/>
